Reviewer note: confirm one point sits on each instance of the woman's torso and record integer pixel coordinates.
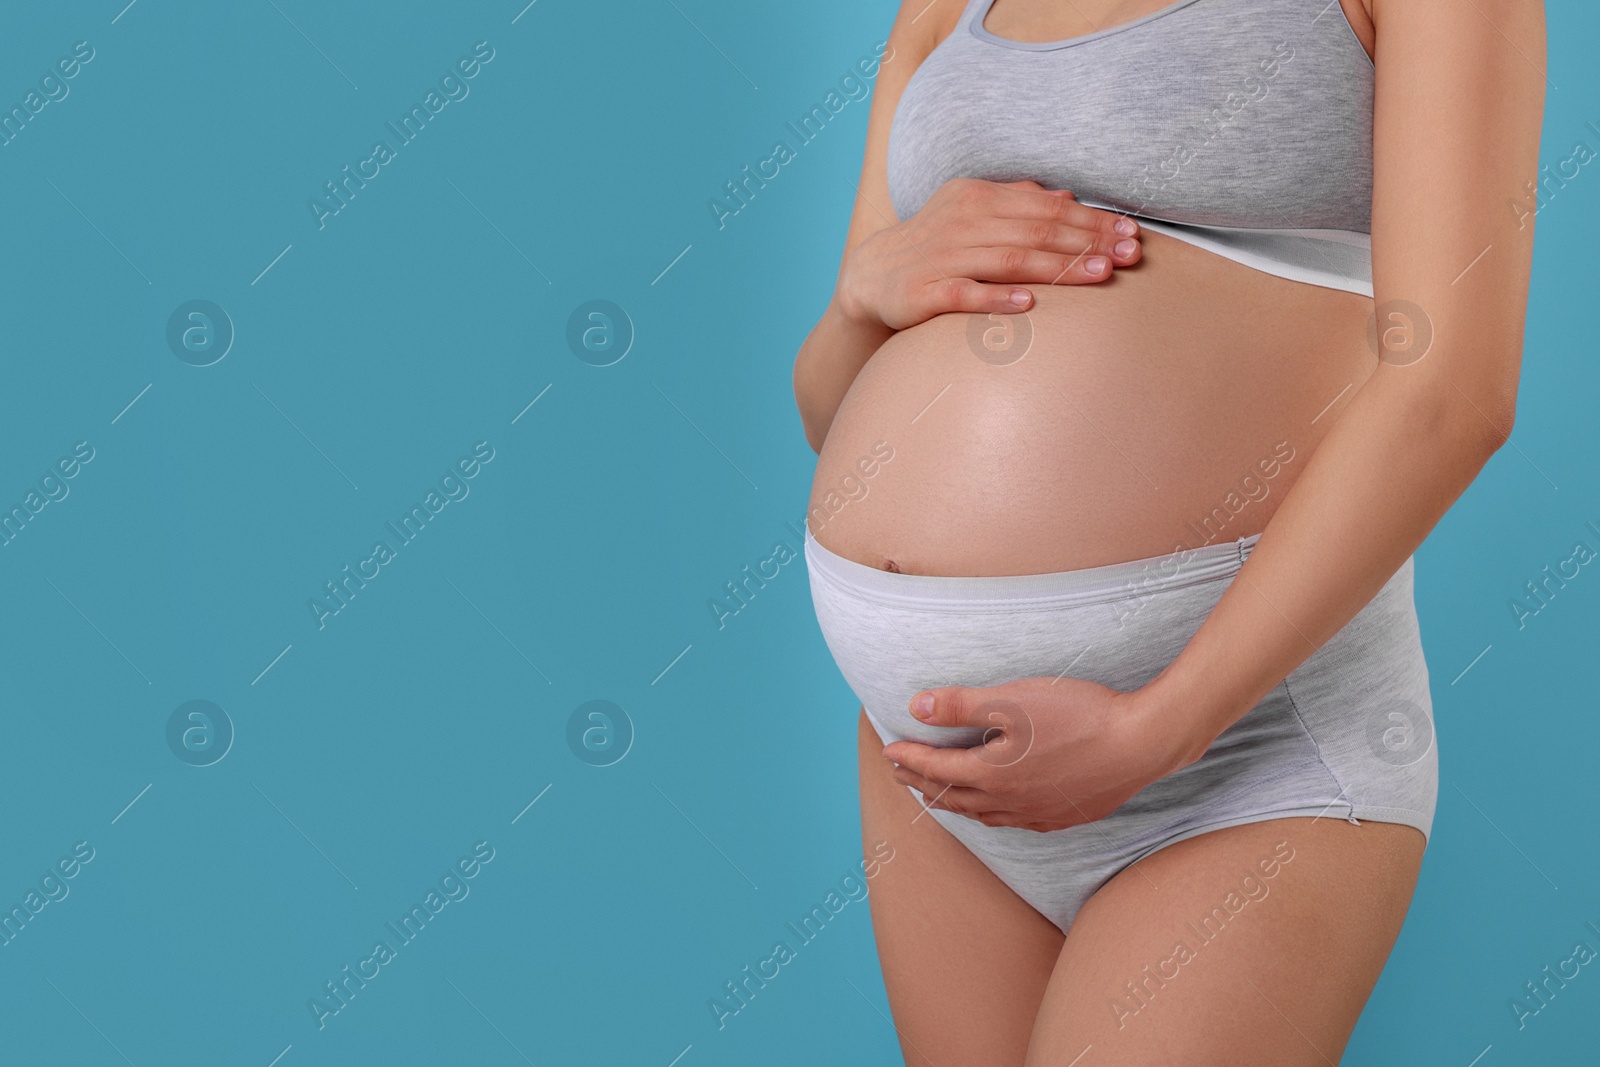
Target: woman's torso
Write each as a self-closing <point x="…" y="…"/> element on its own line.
<point x="1172" y="405"/>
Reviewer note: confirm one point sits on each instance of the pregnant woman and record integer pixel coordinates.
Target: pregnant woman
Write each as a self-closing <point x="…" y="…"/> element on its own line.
<point x="1164" y="334"/>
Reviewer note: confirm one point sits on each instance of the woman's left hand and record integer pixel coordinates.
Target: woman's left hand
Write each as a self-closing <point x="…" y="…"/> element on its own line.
<point x="1058" y="752"/>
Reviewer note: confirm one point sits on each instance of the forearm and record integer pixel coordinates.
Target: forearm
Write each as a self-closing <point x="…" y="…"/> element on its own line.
<point x="829" y="360"/>
<point x="1458" y="84"/>
<point x="1406" y="448"/>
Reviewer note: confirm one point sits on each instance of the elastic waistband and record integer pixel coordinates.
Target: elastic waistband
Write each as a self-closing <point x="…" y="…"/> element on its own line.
<point x="1333" y="259"/>
<point x="1091" y="585"/>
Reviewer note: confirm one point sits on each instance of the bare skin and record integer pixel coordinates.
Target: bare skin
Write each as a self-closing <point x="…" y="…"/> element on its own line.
<point x="949" y="931"/>
<point x="1171" y="367"/>
<point x="1086" y="452"/>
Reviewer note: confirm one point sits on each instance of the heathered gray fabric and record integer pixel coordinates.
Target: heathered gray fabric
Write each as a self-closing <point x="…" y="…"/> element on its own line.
<point x="1209" y="120"/>
<point x="1348" y="735"/>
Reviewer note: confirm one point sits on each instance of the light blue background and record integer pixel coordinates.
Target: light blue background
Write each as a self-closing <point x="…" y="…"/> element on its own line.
<point x="373" y="753"/>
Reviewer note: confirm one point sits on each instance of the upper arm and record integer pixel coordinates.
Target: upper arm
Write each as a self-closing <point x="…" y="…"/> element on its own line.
<point x="1458" y="106"/>
<point x="918" y="28"/>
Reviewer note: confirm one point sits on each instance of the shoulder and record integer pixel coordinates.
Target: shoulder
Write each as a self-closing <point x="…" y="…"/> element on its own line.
<point x="920" y="25"/>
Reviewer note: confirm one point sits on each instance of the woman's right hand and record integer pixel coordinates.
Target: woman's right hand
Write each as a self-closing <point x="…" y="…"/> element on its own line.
<point x="973" y="247"/>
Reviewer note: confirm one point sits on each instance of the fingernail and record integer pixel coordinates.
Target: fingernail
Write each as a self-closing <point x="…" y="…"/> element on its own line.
<point x="1126" y="227"/>
<point x="1124" y="249"/>
<point x="1096" y="264"/>
<point x="1019" y="297"/>
<point x="922" y="706"/>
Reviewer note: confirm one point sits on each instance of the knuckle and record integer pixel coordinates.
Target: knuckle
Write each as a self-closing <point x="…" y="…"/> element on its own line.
<point x="1042" y="234"/>
<point x="956" y="703"/>
<point x="1013" y="259"/>
<point x="955" y="292"/>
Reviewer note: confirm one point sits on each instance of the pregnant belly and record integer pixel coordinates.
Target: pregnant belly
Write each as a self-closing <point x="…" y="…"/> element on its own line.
<point x="1169" y="407"/>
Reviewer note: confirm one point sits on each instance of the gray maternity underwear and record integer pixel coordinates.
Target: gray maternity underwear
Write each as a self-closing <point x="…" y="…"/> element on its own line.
<point x="1348" y="735"/>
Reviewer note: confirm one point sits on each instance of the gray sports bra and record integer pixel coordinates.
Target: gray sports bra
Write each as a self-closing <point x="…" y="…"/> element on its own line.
<point x="1240" y="126"/>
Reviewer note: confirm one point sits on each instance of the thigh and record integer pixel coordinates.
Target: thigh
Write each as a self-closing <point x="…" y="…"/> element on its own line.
<point x="965" y="960"/>
<point x="1256" y="944"/>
